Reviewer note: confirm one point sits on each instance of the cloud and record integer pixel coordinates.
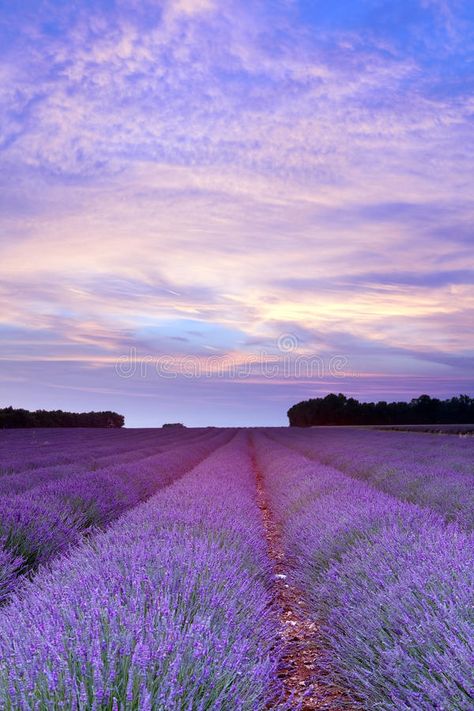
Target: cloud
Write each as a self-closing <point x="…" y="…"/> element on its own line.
<point x="239" y="166"/>
<point x="190" y="7"/>
<point x="385" y="280"/>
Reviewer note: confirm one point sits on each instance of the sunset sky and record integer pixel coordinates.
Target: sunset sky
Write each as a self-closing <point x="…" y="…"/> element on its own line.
<point x="198" y="195"/>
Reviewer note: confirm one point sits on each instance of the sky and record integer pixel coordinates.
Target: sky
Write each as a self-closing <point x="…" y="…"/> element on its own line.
<point x="211" y="210"/>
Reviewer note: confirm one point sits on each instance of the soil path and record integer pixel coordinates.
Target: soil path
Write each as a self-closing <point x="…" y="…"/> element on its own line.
<point x="299" y="633"/>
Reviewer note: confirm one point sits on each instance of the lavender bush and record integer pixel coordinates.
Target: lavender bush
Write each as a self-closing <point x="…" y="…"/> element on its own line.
<point x="9" y="567"/>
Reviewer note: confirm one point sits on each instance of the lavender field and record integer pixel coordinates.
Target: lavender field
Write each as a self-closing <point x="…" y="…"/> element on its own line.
<point x="195" y="569"/>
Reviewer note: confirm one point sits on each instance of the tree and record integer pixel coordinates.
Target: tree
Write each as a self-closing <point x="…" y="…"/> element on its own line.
<point x="16" y="418"/>
<point x="339" y="410"/>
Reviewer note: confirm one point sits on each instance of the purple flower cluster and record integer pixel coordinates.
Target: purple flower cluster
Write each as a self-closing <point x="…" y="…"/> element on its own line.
<point x="168" y="608"/>
<point x="47" y="518"/>
<point x="392" y="583"/>
<point x="436" y="471"/>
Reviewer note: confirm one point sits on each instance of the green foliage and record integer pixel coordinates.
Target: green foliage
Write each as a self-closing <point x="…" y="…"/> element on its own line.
<point x="341" y="410"/>
<point x="17" y="417"/>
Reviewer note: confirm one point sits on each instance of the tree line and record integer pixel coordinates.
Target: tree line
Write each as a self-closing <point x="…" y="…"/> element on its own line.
<point x="341" y="410"/>
<point x="18" y="417"/>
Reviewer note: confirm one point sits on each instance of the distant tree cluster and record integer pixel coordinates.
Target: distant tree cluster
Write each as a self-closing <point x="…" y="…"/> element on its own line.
<point x="173" y="424"/>
<point x="341" y="410"/>
<point x="17" y="417"/>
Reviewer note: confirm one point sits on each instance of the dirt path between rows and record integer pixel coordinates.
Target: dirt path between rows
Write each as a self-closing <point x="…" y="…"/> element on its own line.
<point x="299" y="633"/>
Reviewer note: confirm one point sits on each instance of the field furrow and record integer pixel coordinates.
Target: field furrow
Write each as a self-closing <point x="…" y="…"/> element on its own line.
<point x="301" y="668"/>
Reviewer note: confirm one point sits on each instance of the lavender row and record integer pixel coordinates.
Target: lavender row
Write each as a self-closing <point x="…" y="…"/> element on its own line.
<point x="167" y="609"/>
<point x="66" y="446"/>
<point x="23" y="449"/>
<point x="428" y="470"/>
<point x="33" y="478"/>
<point x="38" y="525"/>
<point x="461" y="430"/>
<point x="391" y="584"/>
<point x="24" y="480"/>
